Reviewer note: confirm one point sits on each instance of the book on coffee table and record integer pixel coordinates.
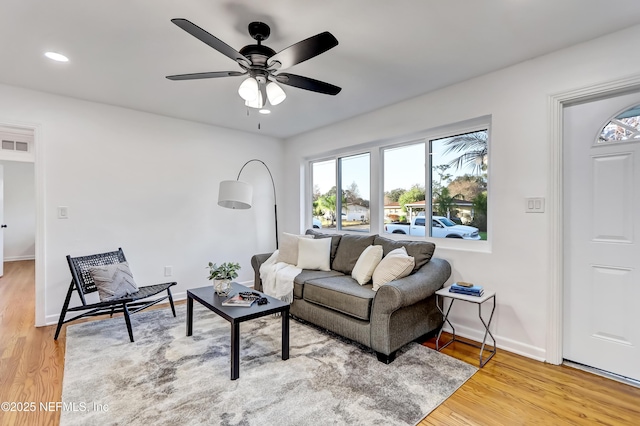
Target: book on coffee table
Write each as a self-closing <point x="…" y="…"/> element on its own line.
<point x="238" y="300"/>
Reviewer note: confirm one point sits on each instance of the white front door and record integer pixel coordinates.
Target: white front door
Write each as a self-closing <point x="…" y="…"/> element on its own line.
<point x="601" y="239"/>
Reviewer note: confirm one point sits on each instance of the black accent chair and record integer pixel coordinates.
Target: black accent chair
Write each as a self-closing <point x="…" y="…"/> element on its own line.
<point x="83" y="283"/>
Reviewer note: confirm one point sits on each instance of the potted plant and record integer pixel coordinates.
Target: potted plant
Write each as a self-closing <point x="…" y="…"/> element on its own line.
<point x="222" y="276"/>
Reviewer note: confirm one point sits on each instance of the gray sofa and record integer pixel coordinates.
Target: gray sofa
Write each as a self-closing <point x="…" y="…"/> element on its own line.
<point x="398" y="313"/>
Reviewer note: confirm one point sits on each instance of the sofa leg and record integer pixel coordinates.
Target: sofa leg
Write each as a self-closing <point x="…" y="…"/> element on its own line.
<point x="387" y="359"/>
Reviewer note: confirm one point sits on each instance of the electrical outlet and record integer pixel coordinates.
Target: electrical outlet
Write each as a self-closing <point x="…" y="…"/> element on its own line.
<point x="168" y="271"/>
<point x="63" y="212"/>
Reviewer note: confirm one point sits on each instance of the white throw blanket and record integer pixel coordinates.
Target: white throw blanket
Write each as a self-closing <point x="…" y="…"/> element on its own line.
<point x="277" y="278"/>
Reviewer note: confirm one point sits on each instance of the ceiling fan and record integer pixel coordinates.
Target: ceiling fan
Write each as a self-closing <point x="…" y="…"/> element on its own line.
<point x="262" y="64"/>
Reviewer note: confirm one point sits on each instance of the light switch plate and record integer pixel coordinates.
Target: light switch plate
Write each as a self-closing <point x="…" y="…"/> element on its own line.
<point x="534" y="205"/>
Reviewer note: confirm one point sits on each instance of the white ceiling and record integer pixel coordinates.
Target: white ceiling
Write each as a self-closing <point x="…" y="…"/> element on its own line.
<point x="121" y="50"/>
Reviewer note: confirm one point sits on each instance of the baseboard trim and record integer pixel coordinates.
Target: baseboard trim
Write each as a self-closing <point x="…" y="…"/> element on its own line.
<point x="17" y="258"/>
<point x="502" y="342"/>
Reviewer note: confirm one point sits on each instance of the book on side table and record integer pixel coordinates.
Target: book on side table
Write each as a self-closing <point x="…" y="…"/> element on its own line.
<point x="466" y="288"/>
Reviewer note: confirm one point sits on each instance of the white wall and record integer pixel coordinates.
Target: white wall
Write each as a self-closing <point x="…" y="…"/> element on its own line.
<point x="517" y="264"/>
<point x="143" y="182"/>
<point x="19" y="210"/>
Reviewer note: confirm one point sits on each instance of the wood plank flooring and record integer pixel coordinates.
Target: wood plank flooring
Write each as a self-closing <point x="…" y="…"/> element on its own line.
<point x="509" y="390"/>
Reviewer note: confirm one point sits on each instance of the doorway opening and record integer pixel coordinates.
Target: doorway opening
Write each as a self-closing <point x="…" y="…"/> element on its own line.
<point x="19" y="201"/>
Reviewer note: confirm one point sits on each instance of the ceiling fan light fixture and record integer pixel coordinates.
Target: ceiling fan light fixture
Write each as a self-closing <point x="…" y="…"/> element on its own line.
<point x="258" y="102"/>
<point x="275" y="93"/>
<point x="248" y="90"/>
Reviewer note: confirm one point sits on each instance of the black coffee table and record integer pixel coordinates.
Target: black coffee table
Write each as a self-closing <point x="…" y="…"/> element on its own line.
<point x="237" y="314"/>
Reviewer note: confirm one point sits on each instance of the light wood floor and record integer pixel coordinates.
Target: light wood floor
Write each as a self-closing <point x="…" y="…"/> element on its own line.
<point x="509" y="390"/>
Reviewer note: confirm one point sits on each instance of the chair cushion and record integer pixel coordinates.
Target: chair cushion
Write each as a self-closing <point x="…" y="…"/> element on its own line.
<point x="349" y="250"/>
<point x="314" y="254"/>
<point x="342" y="294"/>
<point x="335" y="240"/>
<point x="288" y="250"/>
<point x="113" y="281"/>
<point x="306" y="275"/>
<point x="421" y="251"/>
<point x="395" y="265"/>
<point x="366" y="264"/>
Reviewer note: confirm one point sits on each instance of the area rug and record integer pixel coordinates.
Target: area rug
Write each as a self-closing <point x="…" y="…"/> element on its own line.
<point x="168" y="378"/>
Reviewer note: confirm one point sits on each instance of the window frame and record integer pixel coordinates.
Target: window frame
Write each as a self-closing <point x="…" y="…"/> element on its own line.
<point x="308" y="218"/>
<point x="376" y="177"/>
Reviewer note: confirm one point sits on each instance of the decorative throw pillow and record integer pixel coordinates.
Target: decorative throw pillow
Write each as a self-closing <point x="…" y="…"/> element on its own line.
<point x="395" y="265"/>
<point x="314" y="254"/>
<point x="288" y="250"/>
<point x="113" y="281"/>
<point x="335" y="240"/>
<point x="366" y="264"/>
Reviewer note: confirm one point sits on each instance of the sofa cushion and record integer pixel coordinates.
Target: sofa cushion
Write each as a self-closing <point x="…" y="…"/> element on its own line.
<point x="421" y="251"/>
<point x="335" y="240"/>
<point x="342" y="294"/>
<point x="349" y="250"/>
<point x="307" y="275"/>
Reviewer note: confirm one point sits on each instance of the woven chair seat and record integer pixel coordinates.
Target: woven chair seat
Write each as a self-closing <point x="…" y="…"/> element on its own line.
<point x="142" y="293"/>
<point x="82" y="281"/>
<point x="150" y="290"/>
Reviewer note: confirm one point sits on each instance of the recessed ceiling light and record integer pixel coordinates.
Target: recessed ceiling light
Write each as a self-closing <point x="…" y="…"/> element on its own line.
<point x="56" y="57"/>
<point x="264" y="111"/>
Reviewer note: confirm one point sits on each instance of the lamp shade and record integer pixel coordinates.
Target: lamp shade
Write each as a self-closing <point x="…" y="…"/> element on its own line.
<point x="275" y="93"/>
<point x="248" y="90"/>
<point x="234" y="194"/>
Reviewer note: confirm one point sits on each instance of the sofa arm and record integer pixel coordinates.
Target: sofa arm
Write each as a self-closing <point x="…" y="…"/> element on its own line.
<point x="256" y="261"/>
<point x="413" y="288"/>
<point x="394" y="321"/>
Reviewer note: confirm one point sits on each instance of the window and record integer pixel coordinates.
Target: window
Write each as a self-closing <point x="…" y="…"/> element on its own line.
<point x="459" y="166"/>
<point x="404" y="178"/>
<point x="623" y="127"/>
<point x="352" y="201"/>
<point x="355" y="177"/>
<point x="457" y="196"/>
<point x="442" y="179"/>
<point x="323" y="199"/>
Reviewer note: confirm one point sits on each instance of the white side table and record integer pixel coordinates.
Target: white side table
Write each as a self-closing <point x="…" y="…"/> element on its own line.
<point x="444" y="292"/>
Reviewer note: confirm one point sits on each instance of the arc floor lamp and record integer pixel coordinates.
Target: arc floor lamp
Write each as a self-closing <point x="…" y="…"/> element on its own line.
<point x="235" y="194"/>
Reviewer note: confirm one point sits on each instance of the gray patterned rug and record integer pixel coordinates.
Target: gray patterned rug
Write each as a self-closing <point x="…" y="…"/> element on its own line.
<point x="166" y="378"/>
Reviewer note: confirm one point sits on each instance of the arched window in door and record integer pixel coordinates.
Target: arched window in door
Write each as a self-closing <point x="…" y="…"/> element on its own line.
<point x="623" y="127"/>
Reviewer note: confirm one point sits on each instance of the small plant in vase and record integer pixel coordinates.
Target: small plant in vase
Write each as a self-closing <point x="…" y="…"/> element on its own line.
<point x="222" y="276"/>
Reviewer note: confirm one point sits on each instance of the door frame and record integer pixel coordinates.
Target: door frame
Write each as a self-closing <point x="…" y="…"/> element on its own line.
<point x="555" y="294"/>
<point x="40" y="236"/>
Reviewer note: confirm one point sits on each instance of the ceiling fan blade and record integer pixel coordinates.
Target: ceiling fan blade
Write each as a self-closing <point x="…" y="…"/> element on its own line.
<point x="307" y="83"/>
<point x="201" y="75"/>
<point x="211" y="40"/>
<point x="303" y="50"/>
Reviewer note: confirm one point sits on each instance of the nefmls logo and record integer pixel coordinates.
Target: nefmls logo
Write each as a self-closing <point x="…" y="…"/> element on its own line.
<point x="64" y="406"/>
